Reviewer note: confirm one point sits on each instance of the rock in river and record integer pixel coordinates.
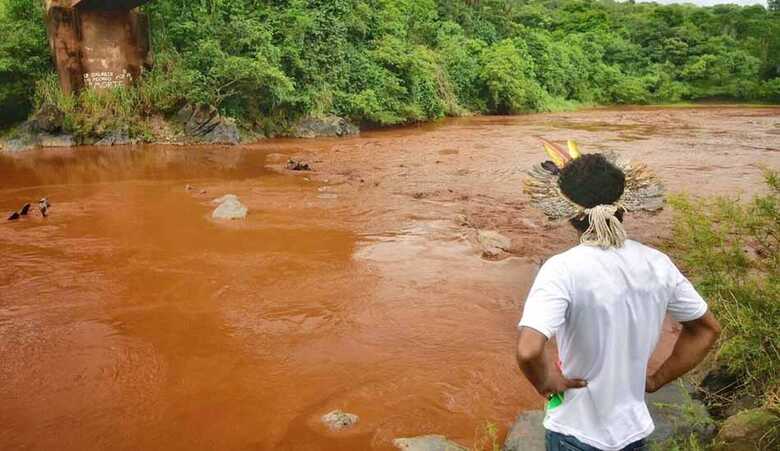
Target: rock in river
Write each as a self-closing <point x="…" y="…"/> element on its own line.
<point x="338" y="420"/>
<point x="427" y="443"/>
<point x="229" y="208"/>
<point x="493" y="244"/>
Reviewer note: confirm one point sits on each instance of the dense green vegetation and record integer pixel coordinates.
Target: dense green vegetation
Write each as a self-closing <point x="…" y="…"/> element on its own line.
<point x="731" y="251"/>
<point x="384" y="62"/>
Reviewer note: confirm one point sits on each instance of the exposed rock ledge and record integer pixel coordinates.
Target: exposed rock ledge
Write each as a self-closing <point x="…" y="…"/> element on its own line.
<point x="314" y="127"/>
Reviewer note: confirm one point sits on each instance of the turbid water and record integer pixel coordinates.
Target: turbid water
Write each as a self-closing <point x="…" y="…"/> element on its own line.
<point x="129" y="319"/>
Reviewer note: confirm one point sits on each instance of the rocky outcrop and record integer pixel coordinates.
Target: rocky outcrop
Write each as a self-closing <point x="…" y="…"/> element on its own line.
<point x="47" y="119"/>
<point x="527" y="434"/>
<point x="203" y="123"/>
<point x="338" y="420"/>
<point x="119" y="137"/>
<point x="63" y="140"/>
<point x="314" y="127"/>
<point x="676" y="414"/>
<point x="750" y="430"/>
<point x="427" y="443"/>
<point x="42" y="129"/>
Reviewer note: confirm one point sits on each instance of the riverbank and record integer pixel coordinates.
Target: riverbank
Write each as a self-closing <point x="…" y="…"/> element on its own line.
<point x="50" y="127"/>
<point x="132" y="320"/>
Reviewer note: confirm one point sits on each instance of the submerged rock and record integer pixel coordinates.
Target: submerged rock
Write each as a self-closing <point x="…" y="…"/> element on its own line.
<point x="427" y="443"/>
<point x="204" y="124"/>
<point x="754" y="429"/>
<point x="229" y="208"/>
<point x="313" y="127"/>
<point x="493" y="244"/>
<point x="338" y="420"/>
<point x="527" y="434"/>
<point x="295" y="165"/>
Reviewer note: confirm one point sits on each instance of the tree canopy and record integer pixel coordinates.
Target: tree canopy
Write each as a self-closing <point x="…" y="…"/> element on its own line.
<point x="266" y="62"/>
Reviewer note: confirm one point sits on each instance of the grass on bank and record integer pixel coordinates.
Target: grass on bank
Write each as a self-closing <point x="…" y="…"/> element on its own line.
<point x="730" y="249"/>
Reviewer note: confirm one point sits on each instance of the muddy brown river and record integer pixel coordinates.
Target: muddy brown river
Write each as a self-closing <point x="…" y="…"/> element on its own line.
<point x="129" y="319"/>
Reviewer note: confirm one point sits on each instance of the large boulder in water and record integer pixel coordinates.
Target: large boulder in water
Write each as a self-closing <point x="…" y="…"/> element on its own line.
<point x="313" y="127"/>
<point x="203" y="123"/>
<point x="229" y="207"/>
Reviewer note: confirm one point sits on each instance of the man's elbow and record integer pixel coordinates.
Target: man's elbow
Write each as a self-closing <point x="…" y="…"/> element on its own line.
<point x="527" y="355"/>
<point x="714" y="332"/>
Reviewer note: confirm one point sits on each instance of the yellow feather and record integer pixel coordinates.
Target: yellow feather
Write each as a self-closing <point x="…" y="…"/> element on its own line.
<point x="554" y="155"/>
<point x="574" y="150"/>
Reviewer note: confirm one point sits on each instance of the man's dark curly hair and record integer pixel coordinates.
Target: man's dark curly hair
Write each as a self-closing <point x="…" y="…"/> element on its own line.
<point x="591" y="180"/>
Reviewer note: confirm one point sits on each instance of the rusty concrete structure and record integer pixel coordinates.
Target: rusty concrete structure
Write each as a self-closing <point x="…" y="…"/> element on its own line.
<point x="97" y="43"/>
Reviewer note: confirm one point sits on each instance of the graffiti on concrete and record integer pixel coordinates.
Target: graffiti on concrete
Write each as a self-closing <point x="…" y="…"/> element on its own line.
<point x="101" y="80"/>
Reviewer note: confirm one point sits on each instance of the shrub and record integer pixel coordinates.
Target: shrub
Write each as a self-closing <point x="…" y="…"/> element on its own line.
<point x="508" y="78"/>
<point x="731" y="250"/>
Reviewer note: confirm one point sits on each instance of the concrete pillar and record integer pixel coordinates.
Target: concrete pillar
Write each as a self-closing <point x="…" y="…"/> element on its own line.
<point x="97" y="44"/>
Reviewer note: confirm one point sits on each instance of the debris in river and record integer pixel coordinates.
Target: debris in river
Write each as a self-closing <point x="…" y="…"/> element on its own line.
<point x="189" y="188"/>
<point x="21" y="212"/>
<point x="229" y="208"/>
<point x="295" y="165"/>
<point x="338" y="420"/>
<point x="43" y="206"/>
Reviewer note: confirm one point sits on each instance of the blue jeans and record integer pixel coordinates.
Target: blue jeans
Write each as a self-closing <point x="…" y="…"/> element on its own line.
<point x="560" y="442"/>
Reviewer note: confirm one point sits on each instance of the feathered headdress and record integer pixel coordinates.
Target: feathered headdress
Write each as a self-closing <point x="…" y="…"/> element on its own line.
<point x="643" y="191"/>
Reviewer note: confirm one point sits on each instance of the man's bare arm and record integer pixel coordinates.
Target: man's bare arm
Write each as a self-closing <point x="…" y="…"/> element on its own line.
<point x="693" y="344"/>
<point x="534" y="363"/>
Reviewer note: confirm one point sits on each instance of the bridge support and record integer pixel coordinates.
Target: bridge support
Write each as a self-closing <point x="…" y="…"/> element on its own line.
<point x="97" y="44"/>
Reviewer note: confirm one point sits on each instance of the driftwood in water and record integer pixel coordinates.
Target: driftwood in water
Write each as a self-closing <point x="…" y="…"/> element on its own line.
<point x="98" y="44"/>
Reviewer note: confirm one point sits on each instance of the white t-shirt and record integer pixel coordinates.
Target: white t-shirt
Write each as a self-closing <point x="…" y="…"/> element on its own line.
<point x="606" y="308"/>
